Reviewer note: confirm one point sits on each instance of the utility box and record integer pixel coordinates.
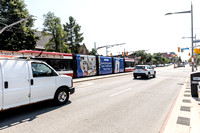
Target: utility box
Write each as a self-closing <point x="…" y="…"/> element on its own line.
<point x="198" y="91"/>
<point x="194" y="80"/>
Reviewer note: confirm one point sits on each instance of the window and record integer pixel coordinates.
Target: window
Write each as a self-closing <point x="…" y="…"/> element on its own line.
<point x="41" y="70"/>
<point x="140" y="67"/>
<point x="58" y="64"/>
<point x="129" y="64"/>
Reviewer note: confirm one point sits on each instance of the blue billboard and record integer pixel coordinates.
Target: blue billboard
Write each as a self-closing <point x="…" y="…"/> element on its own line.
<point x="118" y="65"/>
<point x="105" y="65"/>
<point x="86" y="65"/>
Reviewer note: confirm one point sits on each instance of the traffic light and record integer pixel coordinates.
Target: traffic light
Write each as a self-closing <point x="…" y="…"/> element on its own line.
<point x="110" y="54"/>
<point x="122" y="53"/>
<point x="140" y="57"/>
<point x="176" y="55"/>
<point x="179" y="49"/>
<point x="189" y="54"/>
<point x="127" y="53"/>
<point x="172" y="55"/>
<point x="197" y="50"/>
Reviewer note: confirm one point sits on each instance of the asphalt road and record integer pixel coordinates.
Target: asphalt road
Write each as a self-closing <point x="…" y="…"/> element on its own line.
<point x="111" y="105"/>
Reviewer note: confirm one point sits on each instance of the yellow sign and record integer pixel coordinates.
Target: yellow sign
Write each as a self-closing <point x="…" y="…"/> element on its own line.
<point x="197" y="51"/>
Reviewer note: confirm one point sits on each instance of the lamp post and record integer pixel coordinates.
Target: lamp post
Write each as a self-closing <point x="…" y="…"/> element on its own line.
<point x="194" y="41"/>
<point x="108" y="46"/>
<point x="191" y="12"/>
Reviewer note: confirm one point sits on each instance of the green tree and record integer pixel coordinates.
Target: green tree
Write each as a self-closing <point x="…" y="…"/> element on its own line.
<point x="148" y="58"/>
<point x="145" y="57"/>
<point x="179" y="59"/>
<point x="92" y="52"/>
<point x="53" y="27"/>
<point x="73" y="37"/>
<point x="157" y="58"/>
<point x="19" y="36"/>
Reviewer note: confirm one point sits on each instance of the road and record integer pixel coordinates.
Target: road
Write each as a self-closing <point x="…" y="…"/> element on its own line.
<point x="111" y="105"/>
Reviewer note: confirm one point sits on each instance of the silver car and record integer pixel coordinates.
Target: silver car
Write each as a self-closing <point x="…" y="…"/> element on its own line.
<point x="144" y="71"/>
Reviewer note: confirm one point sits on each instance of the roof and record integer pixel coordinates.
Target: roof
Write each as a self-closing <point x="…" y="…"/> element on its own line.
<point x="40" y="44"/>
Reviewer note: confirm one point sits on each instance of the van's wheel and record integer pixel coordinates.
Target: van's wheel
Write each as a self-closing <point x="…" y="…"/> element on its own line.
<point x="61" y="96"/>
<point x="154" y="74"/>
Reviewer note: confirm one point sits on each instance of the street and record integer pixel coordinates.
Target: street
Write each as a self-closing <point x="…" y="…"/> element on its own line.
<point x="118" y="104"/>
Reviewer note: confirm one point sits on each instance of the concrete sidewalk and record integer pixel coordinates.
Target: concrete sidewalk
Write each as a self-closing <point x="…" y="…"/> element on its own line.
<point x="184" y="116"/>
<point x="76" y="80"/>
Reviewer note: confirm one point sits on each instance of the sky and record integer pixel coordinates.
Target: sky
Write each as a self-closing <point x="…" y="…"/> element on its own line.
<point x="140" y="24"/>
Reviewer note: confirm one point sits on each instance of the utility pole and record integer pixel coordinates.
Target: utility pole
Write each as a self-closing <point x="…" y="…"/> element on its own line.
<point x="95" y="48"/>
<point x="192" y="37"/>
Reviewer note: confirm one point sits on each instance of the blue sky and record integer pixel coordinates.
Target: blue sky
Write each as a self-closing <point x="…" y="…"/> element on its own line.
<point x="141" y="24"/>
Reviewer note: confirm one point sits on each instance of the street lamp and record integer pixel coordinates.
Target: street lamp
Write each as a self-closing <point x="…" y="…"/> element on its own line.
<point x="191" y="12"/>
<point x="107" y="47"/>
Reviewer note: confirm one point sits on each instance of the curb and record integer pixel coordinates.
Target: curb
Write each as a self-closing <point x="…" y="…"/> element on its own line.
<point x="77" y="80"/>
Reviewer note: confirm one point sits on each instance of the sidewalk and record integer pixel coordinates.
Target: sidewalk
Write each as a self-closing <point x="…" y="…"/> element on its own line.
<point x="82" y="79"/>
<point x="184" y="116"/>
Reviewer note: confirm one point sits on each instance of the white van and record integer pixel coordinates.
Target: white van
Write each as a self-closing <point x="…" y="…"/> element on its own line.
<point x="25" y="81"/>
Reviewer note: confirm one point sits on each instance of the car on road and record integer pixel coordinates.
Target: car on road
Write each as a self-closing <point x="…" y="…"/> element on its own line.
<point x="144" y="71"/>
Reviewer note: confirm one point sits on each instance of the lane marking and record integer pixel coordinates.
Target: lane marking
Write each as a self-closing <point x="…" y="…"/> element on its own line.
<point x="86" y="84"/>
<point x="120" y="92"/>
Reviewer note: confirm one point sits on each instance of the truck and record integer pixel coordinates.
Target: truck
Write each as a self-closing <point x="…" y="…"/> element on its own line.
<point x="25" y="81"/>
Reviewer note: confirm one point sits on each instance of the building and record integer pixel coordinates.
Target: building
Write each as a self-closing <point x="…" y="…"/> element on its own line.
<point x="84" y="50"/>
<point x="166" y="55"/>
<point x="40" y="45"/>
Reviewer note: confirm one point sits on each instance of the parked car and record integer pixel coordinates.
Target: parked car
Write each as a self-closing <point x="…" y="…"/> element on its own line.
<point x="160" y="65"/>
<point x="181" y="65"/>
<point x="153" y="66"/>
<point x="25" y="81"/>
<point x="144" y="71"/>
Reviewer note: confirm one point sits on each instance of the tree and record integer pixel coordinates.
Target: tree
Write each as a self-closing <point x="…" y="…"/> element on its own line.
<point x="19" y="36"/>
<point x="145" y="58"/>
<point x="92" y="52"/>
<point x="148" y="58"/>
<point x="179" y="59"/>
<point x="53" y="27"/>
<point x="73" y="37"/>
<point x="157" y="57"/>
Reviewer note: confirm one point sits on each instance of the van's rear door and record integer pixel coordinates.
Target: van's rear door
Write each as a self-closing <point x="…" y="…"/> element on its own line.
<point x="1" y="88"/>
<point x="16" y="84"/>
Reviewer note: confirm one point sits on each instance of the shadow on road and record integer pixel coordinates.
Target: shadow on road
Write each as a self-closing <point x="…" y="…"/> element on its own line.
<point x="140" y="78"/>
<point x="12" y="117"/>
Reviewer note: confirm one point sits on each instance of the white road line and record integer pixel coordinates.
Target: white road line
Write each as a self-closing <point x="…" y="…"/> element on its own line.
<point x="120" y="92"/>
<point x="86" y="84"/>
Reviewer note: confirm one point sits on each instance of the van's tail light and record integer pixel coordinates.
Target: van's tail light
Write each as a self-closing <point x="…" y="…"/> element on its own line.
<point x="133" y="69"/>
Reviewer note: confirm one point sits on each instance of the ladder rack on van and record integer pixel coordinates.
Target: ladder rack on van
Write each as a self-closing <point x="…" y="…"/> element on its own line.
<point x="10" y="57"/>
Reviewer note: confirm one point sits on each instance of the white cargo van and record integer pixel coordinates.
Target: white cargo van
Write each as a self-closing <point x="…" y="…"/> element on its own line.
<point x="25" y="81"/>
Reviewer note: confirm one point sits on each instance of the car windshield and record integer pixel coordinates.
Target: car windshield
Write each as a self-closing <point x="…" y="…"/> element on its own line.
<point x="140" y="67"/>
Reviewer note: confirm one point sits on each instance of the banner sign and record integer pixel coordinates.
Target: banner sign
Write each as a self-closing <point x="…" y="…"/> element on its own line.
<point x="86" y="65"/>
<point x="105" y="65"/>
<point x="118" y="65"/>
